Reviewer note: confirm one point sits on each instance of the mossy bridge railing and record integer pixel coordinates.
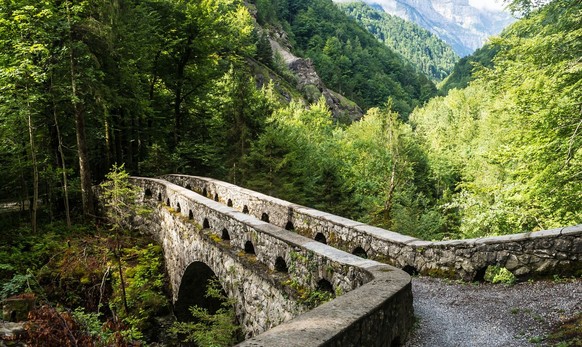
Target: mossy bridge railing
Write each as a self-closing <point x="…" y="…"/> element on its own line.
<point x="526" y="255"/>
<point x="275" y="276"/>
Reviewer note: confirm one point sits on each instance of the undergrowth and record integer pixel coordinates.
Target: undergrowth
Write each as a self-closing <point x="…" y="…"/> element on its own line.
<point x="74" y="275"/>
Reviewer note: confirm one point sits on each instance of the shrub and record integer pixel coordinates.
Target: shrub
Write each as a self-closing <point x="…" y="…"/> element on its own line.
<point x="498" y="274"/>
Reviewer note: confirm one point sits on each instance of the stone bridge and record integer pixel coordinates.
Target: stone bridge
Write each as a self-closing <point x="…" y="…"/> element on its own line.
<point x="534" y="254"/>
<point x="274" y="259"/>
<point x="276" y="277"/>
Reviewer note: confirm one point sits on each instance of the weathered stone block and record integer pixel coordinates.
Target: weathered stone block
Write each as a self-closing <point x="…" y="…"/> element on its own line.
<point x="512" y="263"/>
<point x="16" y="308"/>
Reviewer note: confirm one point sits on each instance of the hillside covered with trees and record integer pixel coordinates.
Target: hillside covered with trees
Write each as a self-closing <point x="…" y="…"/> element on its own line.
<point x="424" y="50"/>
<point x="348" y="58"/>
<point x="498" y="157"/>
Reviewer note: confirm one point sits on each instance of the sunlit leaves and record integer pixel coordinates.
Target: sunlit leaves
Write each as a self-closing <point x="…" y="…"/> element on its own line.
<point x="519" y="165"/>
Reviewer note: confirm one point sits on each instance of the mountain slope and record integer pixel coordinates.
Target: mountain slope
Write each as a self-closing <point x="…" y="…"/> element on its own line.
<point x="463" y="71"/>
<point x="461" y="25"/>
<point x="348" y="59"/>
<point x="420" y="47"/>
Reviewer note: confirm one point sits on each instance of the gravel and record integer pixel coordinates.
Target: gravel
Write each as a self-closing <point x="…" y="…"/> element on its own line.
<point x="466" y="314"/>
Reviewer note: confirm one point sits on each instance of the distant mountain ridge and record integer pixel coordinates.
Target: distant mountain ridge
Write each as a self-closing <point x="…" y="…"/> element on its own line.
<point x="461" y="25"/>
<point x="420" y="47"/>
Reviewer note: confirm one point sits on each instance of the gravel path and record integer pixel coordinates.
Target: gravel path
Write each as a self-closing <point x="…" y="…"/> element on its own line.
<point x="453" y="314"/>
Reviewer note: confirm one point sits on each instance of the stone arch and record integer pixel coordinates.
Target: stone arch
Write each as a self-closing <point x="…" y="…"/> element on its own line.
<point x="321" y="238"/>
<point x="480" y="274"/>
<point x="205" y="224"/>
<point x="159" y="196"/>
<point x="289" y="226"/>
<point x="249" y="248"/>
<point x="229" y="203"/>
<point x="148" y="193"/>
<point x="193" y="289"/>
<point x="411" y="270"/>
<point x="245" y="209"/>
<point x="396" y="342"/>
<point x="324" y="285"/>
<point x="360" y="252"/>
<point x="205" y="192"/>
<point x="216" y="198"/>
<point x="225" y="235"/>
<point x="281" y="265"/>
<point x="178" y="208"/>
<point x="265" y="217"/>
<point x="190" y="215"/>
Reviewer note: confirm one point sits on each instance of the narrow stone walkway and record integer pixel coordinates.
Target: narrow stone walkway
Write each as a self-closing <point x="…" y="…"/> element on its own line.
<point x="453" y="314"/>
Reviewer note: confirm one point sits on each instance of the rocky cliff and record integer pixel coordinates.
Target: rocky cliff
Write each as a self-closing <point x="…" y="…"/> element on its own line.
<point x="310" y="84"/>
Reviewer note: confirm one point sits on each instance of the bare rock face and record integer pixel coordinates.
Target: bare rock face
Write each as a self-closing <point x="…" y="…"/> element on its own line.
<point x="310" y="84"/>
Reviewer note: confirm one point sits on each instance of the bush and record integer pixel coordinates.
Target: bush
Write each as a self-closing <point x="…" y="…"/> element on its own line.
<point x="498" y="274"/>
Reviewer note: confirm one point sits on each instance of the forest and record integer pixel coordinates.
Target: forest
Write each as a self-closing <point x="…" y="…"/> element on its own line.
<point x="95" y="90"/>
<point x="424" y="50"/>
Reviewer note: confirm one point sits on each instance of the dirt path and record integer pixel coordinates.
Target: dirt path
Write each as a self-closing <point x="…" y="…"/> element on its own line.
<point x="452" y="314"/>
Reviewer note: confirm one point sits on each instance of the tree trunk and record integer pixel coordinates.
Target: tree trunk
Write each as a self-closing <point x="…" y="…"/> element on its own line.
<point x="84" y="168"/>
<point x="390" y="198"/>
<point x="64" y="168"/>
<point x="34" y="202"/>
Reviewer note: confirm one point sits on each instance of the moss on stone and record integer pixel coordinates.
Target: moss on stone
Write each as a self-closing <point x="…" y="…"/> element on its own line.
<point x="441" y="273"/>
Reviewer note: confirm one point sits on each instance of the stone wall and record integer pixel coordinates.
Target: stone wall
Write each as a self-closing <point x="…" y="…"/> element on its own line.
<point x="540" y="253"/>
<point x="270" y="286"/>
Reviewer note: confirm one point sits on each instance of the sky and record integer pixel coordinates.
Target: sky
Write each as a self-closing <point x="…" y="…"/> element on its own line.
<point x="487" y="4"/>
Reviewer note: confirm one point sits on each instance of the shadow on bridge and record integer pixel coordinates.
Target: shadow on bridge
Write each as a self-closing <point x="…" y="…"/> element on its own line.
<point x="193" y="289"/>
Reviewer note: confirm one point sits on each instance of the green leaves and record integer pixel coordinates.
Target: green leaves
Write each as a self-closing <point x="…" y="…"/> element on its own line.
<point x="210" y="330"/>
<point x="508" y="144"/>
<point x="119" y="196"/>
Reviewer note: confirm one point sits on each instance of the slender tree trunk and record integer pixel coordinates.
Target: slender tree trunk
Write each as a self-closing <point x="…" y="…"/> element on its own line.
<point x="64" y="169"/>
<point x="84" y="168"/>
<point x="122" y="282"/>
<point x="34" y="203"/>
<point x="108" y="149"/>
<point x="390" y="197"/>
<point x="178" y="98"/>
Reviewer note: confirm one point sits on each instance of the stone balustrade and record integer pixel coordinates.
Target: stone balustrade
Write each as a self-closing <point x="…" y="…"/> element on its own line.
<point x="541" y="253"/>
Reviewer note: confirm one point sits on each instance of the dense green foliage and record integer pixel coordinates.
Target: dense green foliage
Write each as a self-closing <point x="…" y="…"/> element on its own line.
<point x="464" y="70"/>
<point x="424" y="50"/>
<point x="372" y="171"/>
<point x="348" y="58"/>
<point x="141" y="77"/>
<point x="189" y="104"/>
<point x="508" y="147"/>
<point x="71" y="272"/>
<point x="501" y="156"/>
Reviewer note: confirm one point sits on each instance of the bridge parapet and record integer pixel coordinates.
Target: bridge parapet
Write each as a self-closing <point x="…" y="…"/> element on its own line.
<point x="541" y="253"/>
<point x="375" y="308"/>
